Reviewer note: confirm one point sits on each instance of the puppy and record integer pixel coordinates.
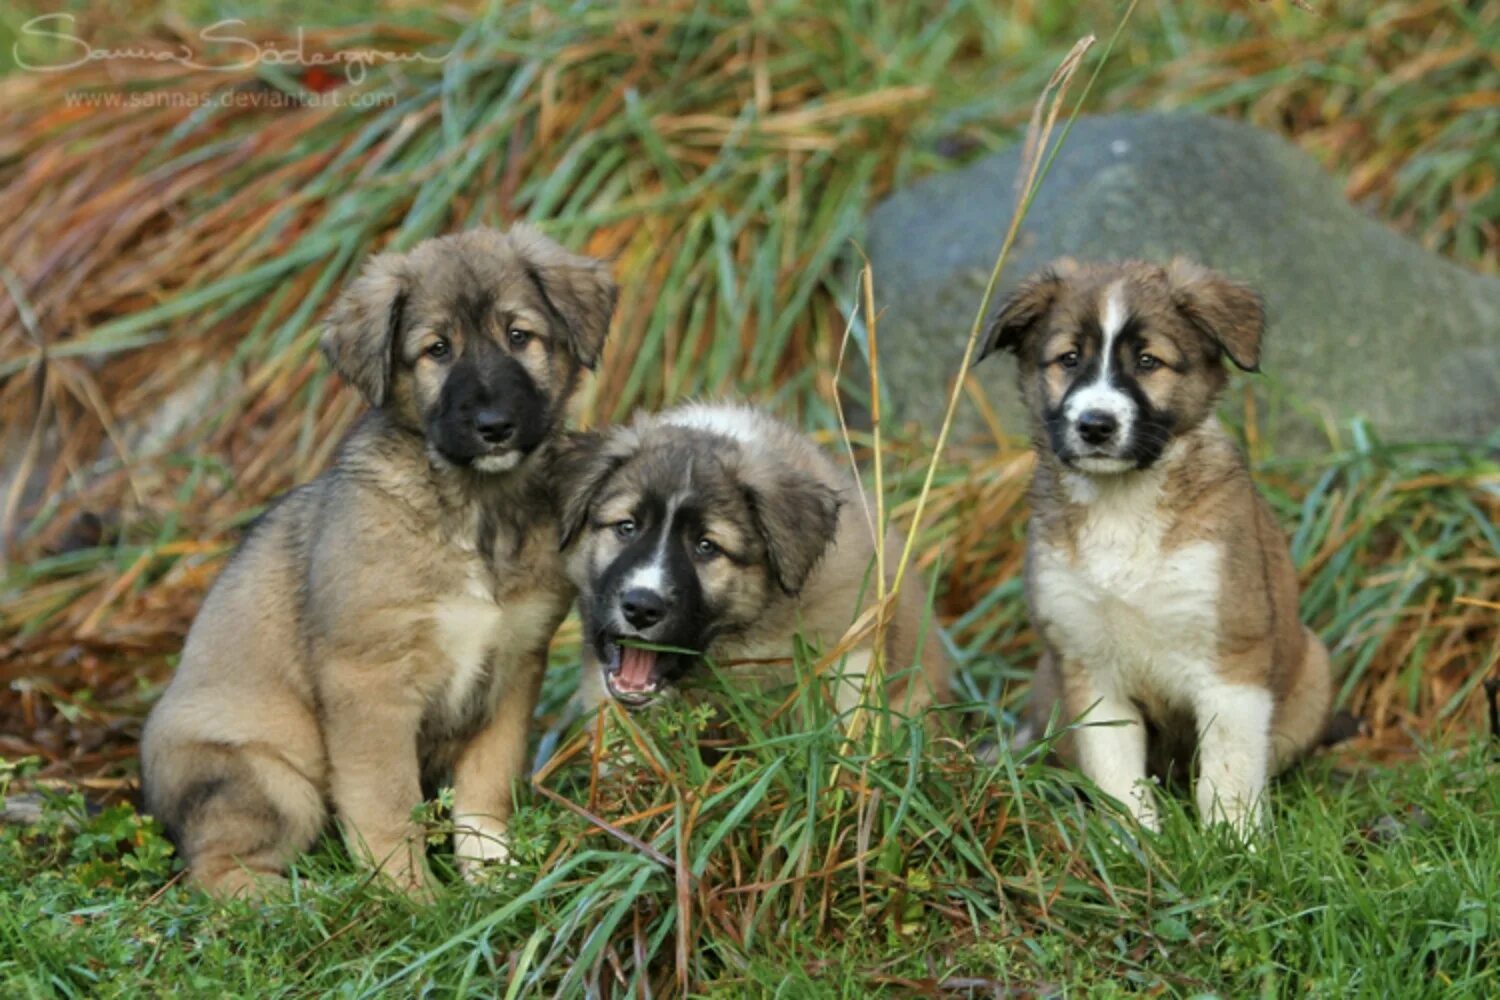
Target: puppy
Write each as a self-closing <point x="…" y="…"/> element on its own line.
<point x="719" y="530"/>
<point x="1157" y="579"/>
<point x="386" y="625"/>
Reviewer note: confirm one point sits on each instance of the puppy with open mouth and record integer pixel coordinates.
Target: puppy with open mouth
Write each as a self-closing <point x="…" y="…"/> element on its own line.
<point x="1156" y="576"/>
<point x="717" y="531"/>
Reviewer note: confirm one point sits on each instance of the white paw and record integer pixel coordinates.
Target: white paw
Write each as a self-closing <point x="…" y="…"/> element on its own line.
<point x="1244" y="813"/>
<point x="1140" y="804"/>
<point x="478" y="844"/>
<point x="1143" y="808"/>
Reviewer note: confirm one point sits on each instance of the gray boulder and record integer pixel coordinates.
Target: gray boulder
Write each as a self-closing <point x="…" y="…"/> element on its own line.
<point x="1363" y="322"/>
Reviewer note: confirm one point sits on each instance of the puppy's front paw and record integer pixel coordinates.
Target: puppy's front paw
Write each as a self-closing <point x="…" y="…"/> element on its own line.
<point x="1244" y="812"/>
<point x="420" y="889"/>
<point x="240" y="883"/>
<point x="403" y="865"/>
<point x="480" y="845"/>
<point x="1141" y="801"/>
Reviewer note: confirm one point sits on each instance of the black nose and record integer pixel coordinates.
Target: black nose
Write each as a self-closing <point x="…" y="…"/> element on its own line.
<point x="1097" y="426"/>
<point x="642" y="608"/>
<point x="493" y="426"/>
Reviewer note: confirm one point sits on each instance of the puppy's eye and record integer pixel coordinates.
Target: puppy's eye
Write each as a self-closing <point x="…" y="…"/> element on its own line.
<point x="439" y="349"/>
<point x="624" y="529"/>
<point x="1069" y="360"/>
<point x="1147" y="363"/>
<point x="706" y="549"/>
<point x="518" y="337"/>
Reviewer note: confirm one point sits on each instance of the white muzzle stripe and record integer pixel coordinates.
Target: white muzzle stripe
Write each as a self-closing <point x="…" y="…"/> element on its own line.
<point x="1099" y="394"/>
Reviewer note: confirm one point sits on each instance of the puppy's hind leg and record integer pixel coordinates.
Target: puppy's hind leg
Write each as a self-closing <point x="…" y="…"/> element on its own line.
<point x="1302" y="714"/>
<point x="239" y="814"/>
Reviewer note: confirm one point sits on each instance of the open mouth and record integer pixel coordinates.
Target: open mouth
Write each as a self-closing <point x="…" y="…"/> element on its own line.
<point x="636" y="676"/>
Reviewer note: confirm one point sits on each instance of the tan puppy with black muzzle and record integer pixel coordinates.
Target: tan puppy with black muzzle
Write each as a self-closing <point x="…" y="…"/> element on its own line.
<point x="1156" y="576"/>
<point x="385" y="626"/>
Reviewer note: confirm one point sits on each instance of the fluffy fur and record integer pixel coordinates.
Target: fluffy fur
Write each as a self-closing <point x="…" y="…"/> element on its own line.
<point x="385" y="626"/>
<point x="1156" y="576"/>
<point x="720" y="530"/>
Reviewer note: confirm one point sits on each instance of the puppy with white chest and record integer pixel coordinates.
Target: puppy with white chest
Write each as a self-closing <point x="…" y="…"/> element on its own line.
<point x="1156" y="576"/>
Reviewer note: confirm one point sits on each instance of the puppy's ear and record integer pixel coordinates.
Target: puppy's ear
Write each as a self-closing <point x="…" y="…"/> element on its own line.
<point x="1228" y="313"/>
<point x="581" y="466"/>
<point x="796" y="516"/>
<point x="1065" y="267"/>
<point x="578" y="290"/>
<point x="1023" y="312"/>
<point x="361" y="330"/>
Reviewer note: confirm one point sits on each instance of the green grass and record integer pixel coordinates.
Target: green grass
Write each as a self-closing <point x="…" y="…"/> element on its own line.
<point x="1375" y="882"/>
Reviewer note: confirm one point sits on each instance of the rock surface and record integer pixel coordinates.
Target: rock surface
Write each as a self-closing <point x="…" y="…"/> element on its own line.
<point x="1363" y="322"/>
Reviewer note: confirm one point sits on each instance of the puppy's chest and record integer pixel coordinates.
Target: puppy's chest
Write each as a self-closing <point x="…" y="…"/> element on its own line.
<point x="1137" y="612"/>
<point x="499" y="610"/>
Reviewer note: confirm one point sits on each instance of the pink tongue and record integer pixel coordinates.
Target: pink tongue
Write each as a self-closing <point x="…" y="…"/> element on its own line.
<point x="635" y="670"/>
